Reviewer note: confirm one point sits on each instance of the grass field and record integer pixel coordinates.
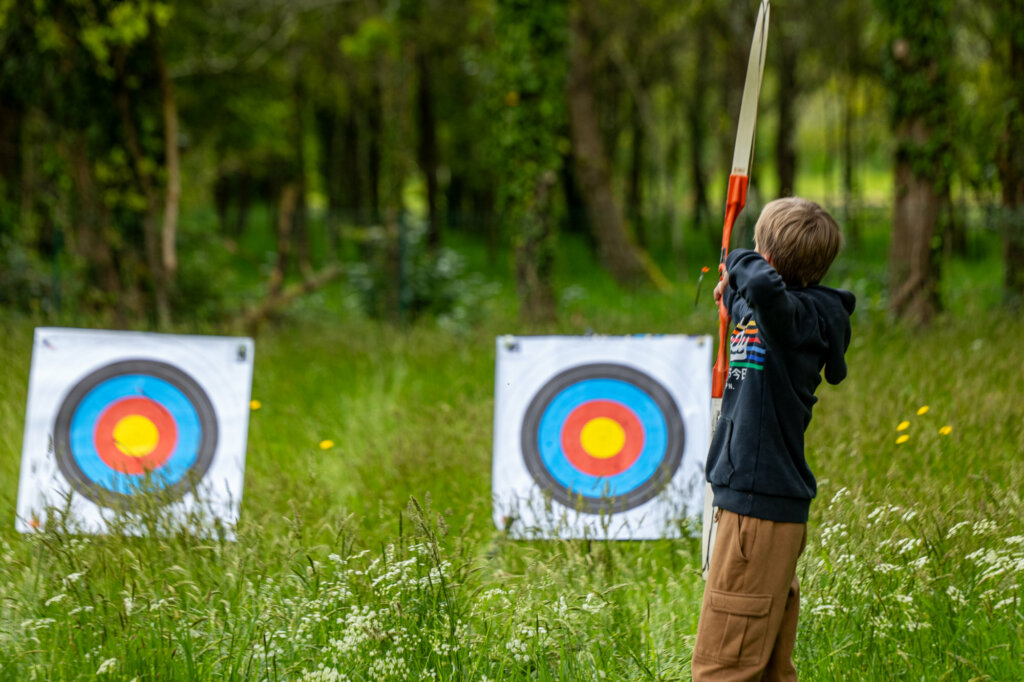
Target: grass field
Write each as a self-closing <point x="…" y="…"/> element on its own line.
<point x="376" y="559"/>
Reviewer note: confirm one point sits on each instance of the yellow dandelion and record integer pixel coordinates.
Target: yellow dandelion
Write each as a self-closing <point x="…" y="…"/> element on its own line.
<point x="946" y="430"/>
<point x="904" y="425"/>
<point x="326" y="444"/>
<point x="902" y="439"/>
<point x="255" y="405"/>
<point x="921" y="410"/>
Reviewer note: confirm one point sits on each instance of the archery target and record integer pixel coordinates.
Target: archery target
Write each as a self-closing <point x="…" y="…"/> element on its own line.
<point x="602" y="435"/>
<point x="134" y="425"/>
<point x="595" y="430"/>
<point x="118" y="418"/>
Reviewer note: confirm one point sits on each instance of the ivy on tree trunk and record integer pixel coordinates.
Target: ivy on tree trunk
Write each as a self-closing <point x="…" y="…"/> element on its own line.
<point x="917" y="74"/>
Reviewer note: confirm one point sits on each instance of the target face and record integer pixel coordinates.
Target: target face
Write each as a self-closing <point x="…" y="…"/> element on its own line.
<point x="602" y="437"/>
<point x="136" y="426"/>
<point x="122" y="424"/>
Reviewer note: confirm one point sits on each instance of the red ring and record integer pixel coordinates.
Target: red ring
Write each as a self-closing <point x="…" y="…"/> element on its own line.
<point x="167" y="435"/>
<point x="586" y="463"/>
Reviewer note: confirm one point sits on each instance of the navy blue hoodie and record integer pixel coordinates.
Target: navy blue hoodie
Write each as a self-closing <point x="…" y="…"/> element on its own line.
<point x="784" y="337"/>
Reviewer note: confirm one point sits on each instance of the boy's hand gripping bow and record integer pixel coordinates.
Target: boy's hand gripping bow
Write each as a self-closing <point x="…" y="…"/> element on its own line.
<point x="735" y="200"/>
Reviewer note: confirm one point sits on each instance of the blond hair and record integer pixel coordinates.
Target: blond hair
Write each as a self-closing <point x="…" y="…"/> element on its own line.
<point x="800" y="238"/>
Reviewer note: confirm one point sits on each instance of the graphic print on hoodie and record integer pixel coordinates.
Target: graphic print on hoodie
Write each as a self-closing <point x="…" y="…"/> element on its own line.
<point x="745" y="347"/>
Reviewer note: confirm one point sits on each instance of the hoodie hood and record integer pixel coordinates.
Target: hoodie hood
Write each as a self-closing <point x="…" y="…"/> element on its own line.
<point x="834" y="307"/>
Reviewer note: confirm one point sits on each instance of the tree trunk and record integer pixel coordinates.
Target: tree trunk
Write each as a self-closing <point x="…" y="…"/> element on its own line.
<point x="789" y="89"/>
<point x="913" y="262"/>
<point x="695" y="115"/>
<point x="918" y="79"/>
<point x="634" y="186"/>
<point x="627" y="264"/>
<point x="535" y="255"/>
<point x="286" y="210"/>
<point x="89" y="239"/>
<point x="350" y="170"/>
<point x="1011" y="170"/>
<point x="169" y="227"/>
<point x="10" y="164"/>
<point x="376" y="126"/>
<point x="850" y="220"/>
<point x="150" y="221"/>
<point x="326" y="119"/>
<point x="300" y="227"/>
<point x="426" y="148"/>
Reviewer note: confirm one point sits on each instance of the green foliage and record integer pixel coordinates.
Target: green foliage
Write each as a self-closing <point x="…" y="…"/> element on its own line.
<point x="917" y="73"/>
<point x="530" y="64"/>
<point x="376" y="35"/>
<point x="530" y="67"/>
<point x="400" y="276"/>
<point x="25" y="282"/>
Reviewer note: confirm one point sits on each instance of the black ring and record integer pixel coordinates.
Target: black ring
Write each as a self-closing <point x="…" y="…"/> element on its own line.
<point x="102" y="495"/>
<point x="670" y="461"/>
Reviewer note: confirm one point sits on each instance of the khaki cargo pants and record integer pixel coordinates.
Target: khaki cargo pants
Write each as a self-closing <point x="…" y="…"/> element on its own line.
<point x="748" y="617"/>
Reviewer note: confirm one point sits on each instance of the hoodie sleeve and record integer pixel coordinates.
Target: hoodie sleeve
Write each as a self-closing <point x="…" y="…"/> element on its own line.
<point x="777" y="311"/>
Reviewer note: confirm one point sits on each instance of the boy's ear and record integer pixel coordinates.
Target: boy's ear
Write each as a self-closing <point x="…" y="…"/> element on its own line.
<point x="768" y="257"/>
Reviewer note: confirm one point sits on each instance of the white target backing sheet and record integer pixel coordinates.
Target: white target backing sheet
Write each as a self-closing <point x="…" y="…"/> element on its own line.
<point x="119" y="421"/>
<point x="600" y="436"/>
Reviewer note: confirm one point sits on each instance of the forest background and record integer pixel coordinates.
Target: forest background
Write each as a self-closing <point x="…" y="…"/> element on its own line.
<point x="377" y="189"/>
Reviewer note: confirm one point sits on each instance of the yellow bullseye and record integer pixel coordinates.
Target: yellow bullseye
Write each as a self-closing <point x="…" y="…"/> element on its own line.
<point x="602" y="437"/>
<point x="136" y="436"/>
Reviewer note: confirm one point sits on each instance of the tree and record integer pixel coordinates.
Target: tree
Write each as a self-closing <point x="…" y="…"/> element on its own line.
<point x="1009" y="23"/>
<point x="98" y="117"/>
<point x="917" y="74"/>
<point x="617" y="249"/>
<point x="529" y="94"/>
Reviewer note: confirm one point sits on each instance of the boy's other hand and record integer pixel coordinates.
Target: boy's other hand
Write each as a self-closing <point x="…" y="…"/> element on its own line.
<point x="720" y="287"/>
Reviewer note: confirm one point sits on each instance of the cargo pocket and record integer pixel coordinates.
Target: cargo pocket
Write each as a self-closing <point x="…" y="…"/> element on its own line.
<point x="720" y="471"/>
<point x="734" y="629"/>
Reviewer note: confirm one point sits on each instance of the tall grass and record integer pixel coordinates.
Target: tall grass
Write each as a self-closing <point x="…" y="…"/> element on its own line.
<point x="376" y="558"/>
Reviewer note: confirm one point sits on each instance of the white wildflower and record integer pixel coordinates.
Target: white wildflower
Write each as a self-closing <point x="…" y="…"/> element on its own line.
<point x="33" y="624"/>
<point x="72" y="578"/>
<point x="840" y="494"/>
<point x="983" y="526"/>
<point x="885" y="568"/>
<point x="518" y="649"/>
<point x="956" y="595"/>
<point x="590" y="604"/>
<point x="55" y="599"/>
<point x="1000" y="605"/>
<point x="324" y="674"/>
<point x="106" y="666"/>
<point x="880" y="625"/>
<point x="956" y="529"/>
<point x="905" y="546"/>
<point x="561" y="608"/>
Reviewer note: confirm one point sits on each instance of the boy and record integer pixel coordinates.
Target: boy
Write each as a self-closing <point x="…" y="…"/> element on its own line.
<point x="787" y="329"/>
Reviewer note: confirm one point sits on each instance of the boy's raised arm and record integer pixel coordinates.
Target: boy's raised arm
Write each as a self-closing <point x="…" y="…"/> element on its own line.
<point x="756" y="282"/>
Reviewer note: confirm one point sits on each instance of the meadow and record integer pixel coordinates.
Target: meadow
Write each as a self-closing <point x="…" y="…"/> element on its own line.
<point x="366" y="549"/>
